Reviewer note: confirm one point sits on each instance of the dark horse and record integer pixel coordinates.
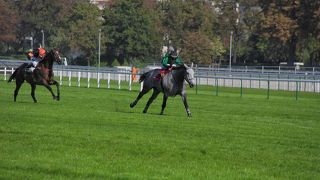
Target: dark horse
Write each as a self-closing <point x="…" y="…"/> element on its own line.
<point x="42" y="75"/>
<point x="171" y="84"/>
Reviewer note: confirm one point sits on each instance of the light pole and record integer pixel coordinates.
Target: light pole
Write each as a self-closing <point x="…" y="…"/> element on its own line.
<point x="236" y="33"/>
<point x="230" y="50"/>
<point x="42" y="38"/>
<point x="99" y="44"/>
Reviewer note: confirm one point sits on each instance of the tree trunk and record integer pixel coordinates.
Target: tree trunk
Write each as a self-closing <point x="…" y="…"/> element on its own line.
<point x="292" y="50"/>
<point x="234" y="61"/>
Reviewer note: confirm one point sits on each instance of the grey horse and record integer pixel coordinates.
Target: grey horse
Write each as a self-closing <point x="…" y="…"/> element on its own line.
<point x="171" y="84"/>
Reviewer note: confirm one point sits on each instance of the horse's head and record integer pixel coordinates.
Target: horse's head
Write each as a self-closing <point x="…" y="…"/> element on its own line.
<point x="56" y="56"/>
<point x="50" y="57"/>
<point x="189" y="75"/>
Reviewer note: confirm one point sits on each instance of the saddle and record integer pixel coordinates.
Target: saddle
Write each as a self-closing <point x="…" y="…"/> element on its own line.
<point x="32" y="72"/>
<point x="162" y="73"/>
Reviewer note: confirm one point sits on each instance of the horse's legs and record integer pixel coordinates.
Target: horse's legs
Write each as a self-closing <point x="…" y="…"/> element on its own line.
<point x="54" y="82"/>
<point x="154" y="95"/>
<point x="143" y="92"/>
<point x="16" y="91"/>
<point x="33" y="88"/>
<point x="164" y="103"/>
<point x="184" y="99"/>
<point x="45" y="83"/>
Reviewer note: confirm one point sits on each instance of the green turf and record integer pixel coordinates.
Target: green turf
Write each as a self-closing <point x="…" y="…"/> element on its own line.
<point x="93" y="134"/>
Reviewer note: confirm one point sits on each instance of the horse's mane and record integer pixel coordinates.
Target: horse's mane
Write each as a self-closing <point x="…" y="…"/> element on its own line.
<point x="45" y="58"/>
<point x="181" y="66"/>
<point x="48" y="58"/>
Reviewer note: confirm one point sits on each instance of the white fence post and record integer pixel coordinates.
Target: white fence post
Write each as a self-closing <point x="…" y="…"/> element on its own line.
<point x="69" y="78"/>
<point x="88" y="79"/>
<point x="313" y="71"/>
<point x="79" y="78"/>
<point x="108" y="80"/>
<point x="141" y="86"/>
<point x="60" y="77"/>
<point x="130" y="82"/>
<point x="279" y="69"/>
<point x="5" y="73"/>
<point x="119" y="81"/>
<point x="98" y="79"/>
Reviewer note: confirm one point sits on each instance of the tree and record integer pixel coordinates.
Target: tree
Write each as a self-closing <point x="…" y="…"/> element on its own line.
<point x="82" y="31"/>
<point x="45" y="15"/>
<point x="199" y="49"/>
<point x="129" y="32"/>
<point x="290" y="23"/>
<point x="189" y="25"/>
<point x="9" y="22"/>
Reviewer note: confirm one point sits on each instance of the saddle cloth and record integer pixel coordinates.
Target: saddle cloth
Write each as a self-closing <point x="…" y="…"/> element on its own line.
<point x="163" y="72"/>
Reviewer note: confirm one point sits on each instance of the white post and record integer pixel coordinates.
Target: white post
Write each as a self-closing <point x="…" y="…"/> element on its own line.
<point x="99" y="49"/>
<point x="98" y="81"/>
<point x="5" y="73"/>
<point x="88" y="79"/>
<point x="119" y="81"/>
<point x="79" y="78"/>
<point x="230" y="53"/>
<point x="99" y="54"/>
<point x="12" y="70"/>
<point x="313" y="71"/>
<point x="141" y="86"/>
<point x="42" y="38"/>
<point x="108" y="80"/>
<point x="69" y="78"/>
<point x="60" y="77"/>
<point x="130" y="82"/>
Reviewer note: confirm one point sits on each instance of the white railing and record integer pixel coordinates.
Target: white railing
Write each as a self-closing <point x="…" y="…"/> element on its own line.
<point x="261" y="83"/>
<point x="77" y="76"/>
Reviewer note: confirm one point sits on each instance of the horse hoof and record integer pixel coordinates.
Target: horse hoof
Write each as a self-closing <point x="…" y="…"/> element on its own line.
<point x="144" y="111"/>
<point x="189" y="115"/>
<point x="35" y="101"/>
<point x="58" y="98"/>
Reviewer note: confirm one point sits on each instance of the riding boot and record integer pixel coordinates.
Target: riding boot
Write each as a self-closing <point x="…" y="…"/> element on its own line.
<point x="29" y="68"/>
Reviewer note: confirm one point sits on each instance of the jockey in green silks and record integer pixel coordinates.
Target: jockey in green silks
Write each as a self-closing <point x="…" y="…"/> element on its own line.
<point x="170" y="59"/>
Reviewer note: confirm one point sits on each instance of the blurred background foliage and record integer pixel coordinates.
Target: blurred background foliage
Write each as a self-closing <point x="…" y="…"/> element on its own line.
<point x="133" y="32"/>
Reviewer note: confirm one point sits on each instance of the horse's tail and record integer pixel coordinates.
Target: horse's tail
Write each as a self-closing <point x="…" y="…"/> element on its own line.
<point x="143" y="77"/>
<point x="13" y="75"/>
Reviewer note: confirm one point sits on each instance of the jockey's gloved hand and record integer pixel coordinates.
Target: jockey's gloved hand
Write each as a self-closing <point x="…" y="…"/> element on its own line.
<point x="174" y="65"/>
<point x="168" y="65"/>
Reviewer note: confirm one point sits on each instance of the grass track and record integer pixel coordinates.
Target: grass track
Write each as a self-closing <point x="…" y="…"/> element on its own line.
<point x="92" y="133"/>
